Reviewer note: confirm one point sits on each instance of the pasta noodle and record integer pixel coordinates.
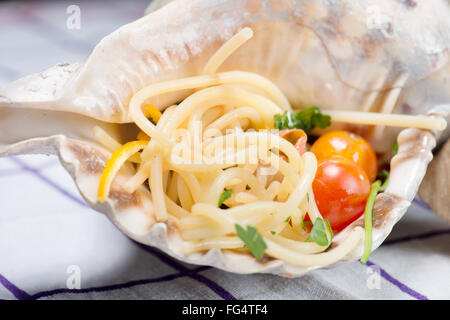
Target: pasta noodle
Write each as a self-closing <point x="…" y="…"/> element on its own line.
<point x="219" y="138"/>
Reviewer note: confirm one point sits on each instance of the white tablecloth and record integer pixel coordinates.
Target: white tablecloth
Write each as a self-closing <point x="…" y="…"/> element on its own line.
<point x="48" y="235"/>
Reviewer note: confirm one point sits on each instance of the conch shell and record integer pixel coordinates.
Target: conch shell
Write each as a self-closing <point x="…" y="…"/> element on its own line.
<point x="384" y="55"/>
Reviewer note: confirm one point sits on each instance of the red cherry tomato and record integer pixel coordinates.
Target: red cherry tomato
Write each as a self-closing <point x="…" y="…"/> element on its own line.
<point x="341" y="188"/>
<point x="349" y="146"/>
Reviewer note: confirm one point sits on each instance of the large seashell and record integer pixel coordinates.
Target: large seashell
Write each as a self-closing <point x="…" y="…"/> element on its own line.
<point x="385" y="55"/>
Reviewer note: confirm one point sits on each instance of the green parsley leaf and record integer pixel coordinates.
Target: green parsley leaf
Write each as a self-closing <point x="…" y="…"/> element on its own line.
<point x="328" y="225"/>
<point x="318" y="233"/>
<point x="395" y="148"/>
<point x="306" y="119"/>
<point x="224" y="196"/>
<point x="384" y="174"/>
<point x="273" y="232"/>
<point x="306" y="223"/>
<point x="287" y="219"/>
<point x="252" y="239"/>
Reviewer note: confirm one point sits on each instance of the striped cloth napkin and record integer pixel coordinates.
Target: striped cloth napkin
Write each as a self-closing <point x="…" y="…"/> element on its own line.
<point x="53" y="246"/>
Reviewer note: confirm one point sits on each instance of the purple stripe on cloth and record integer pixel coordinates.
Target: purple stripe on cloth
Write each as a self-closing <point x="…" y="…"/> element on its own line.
<point x="113" y="287"/>
<point x="222" y="292"/>
<point x="219" y="290"/>
<point x="416" y="237"/>
<point x="16" y="292"/>
<point x="14" y="171"/>
<point x="403" y="287"/>
<point x="57" y="187"/>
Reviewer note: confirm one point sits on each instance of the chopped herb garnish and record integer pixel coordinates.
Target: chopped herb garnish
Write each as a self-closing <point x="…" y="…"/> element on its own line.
<point x="374" y="189"/>
<point x="224" y="196"/>
<point x="395" y="148"/>
<point x="306" y="119"/>
<point x="287" y="219"/>
<point x="318" y="233"/>
<point x="306" y="223"/>
<point x="328" y="225"/>
<point x="273" y="232"/>
<point x="252" y="240"/>
<point x="383" y="175"/>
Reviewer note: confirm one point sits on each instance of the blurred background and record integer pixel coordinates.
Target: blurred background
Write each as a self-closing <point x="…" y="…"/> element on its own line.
<point x="52" y="244"/>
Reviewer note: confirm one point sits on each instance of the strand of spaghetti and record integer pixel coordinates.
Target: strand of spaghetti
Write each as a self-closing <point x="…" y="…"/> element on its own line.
<point x="250" y="167"/>
<point x="190" y="180"/>
<point x="265" y="141"/>
<point x="212" y="114"/>
<point x="148" y="153"/>
<point x="274" y="189"/>
<point x="239" y="213"/>
<point x="304" y="206"/>
<point x="217" y="95"/>
<point x="191" y="222"/>
<point x="205" y="210"/>
<point x="209" y="231"/>
<point x="138" y="178"/>
<point x="237" y="187"/>
<point x="114" y="164"/>
<point x="105" y="139"/>
<point x="184" y="195"/>
<point x="321" y="259"/>
<point x="395" y="120"/>
<point x="245" y="197"/>
<point x="150" y="150"/>
<point x="112" y="144"/>
<point x="172" y="192"/>
<point x="227" y="50"/>
<point x="230" y="117"/>
<point x="314" y="213"/>
<point x="279" y="219"/>
<point x="309" y="172"/>
<point x="210" y="165"/>
<point x="297" y="234"/>
<point x="136" y="102"/>
<point x="175" y="209"/>
<point x="156" y="187"/>
<point x="216" y="242"/>
<point x="390" y="101"/>
<point x="217" y="187"/>
<point x="195" y="130"/>
<point x="285" y="168"/>
<point x="153" y="147"/>
<point x="254" y="80"/>
<point x="235" y="181"/>
<point x="250" y="209"/>
<point x="297" y="246"/>
<point x="212" y="217"/>
<point x="241" y="154"/>
<point x="223" y="224"/>
<point x="285" y="188"/>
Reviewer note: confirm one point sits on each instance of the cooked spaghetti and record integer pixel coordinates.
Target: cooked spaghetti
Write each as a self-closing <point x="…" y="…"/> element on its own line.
<point x="214" y="162"/>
